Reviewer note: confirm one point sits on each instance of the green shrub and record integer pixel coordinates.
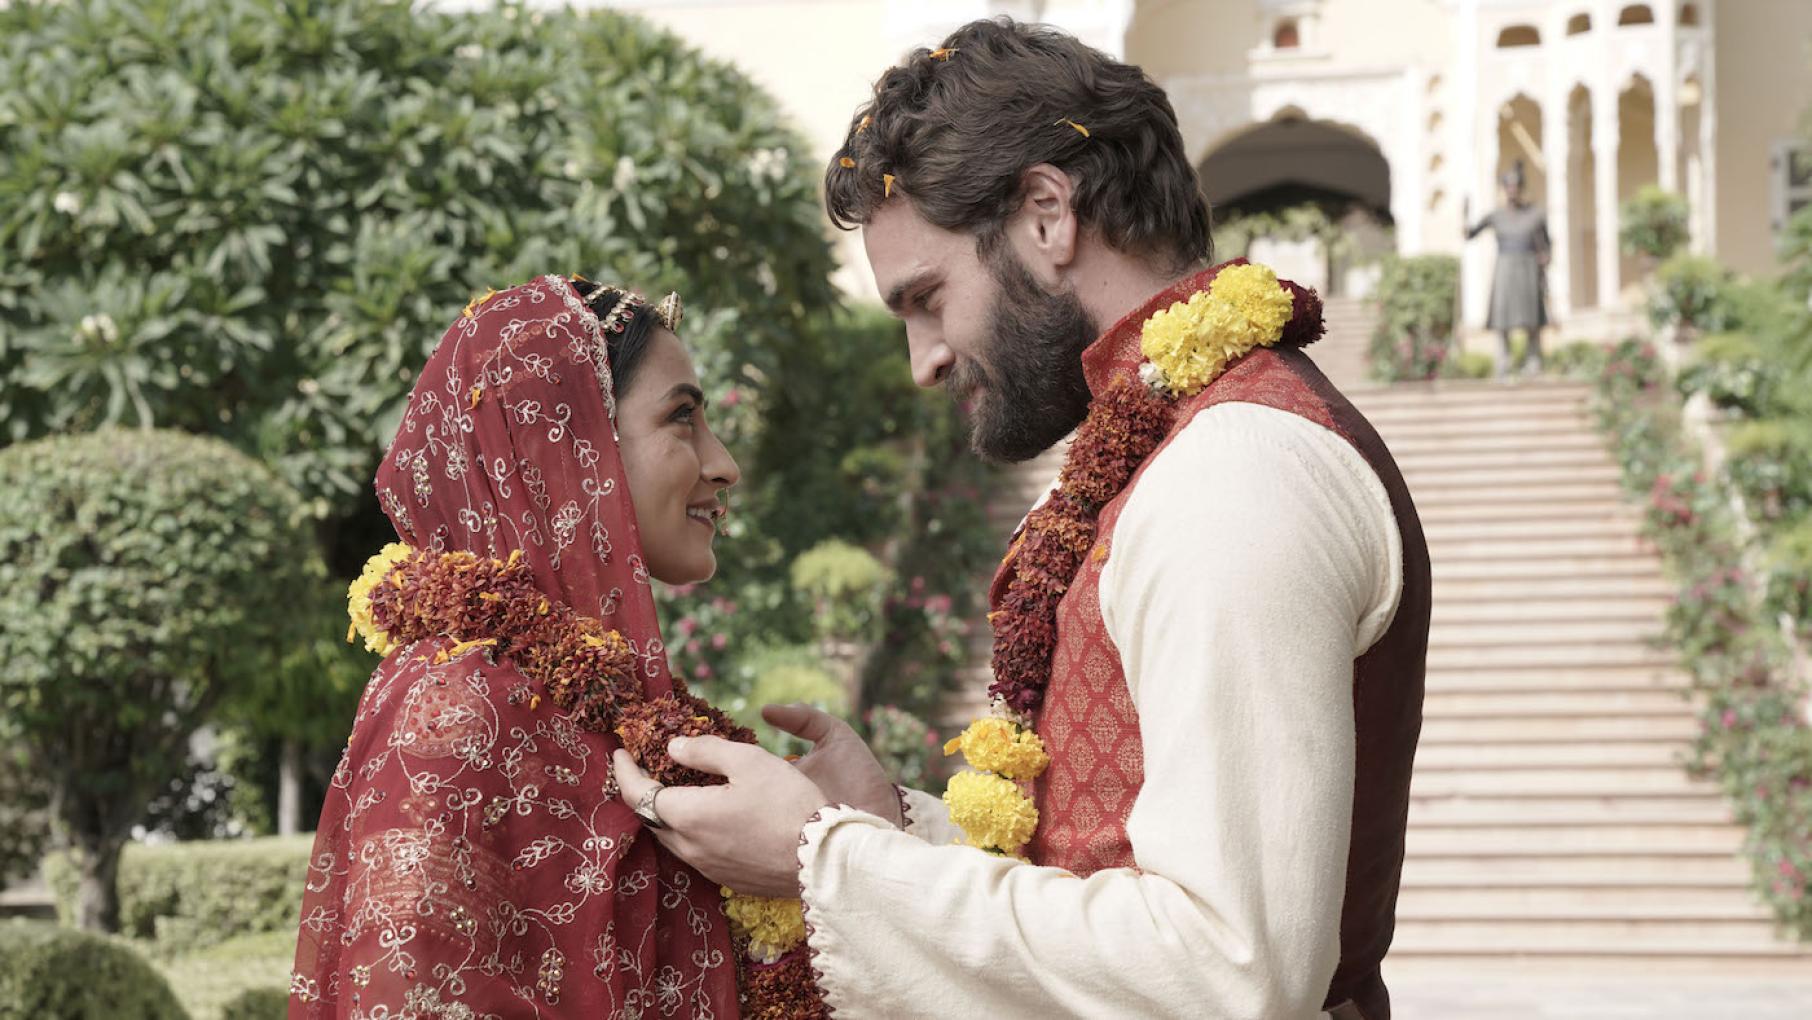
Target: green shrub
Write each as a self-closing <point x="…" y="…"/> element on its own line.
<point x="1581" y="359"/>
<point x="844" y="584"/>
<point x="1653" y="223"/>
<point x="147" y="575"/>
<point x="54" y="972"/>
<point x="253" y="967"/>
<point x="187" y="896"/>
<point x="1692" y="293"/>
<point x="902" y="743"/>
<point x="1415" y="297"/>
<point x="1470" y="365"/>
<point x="257" y="1004"/>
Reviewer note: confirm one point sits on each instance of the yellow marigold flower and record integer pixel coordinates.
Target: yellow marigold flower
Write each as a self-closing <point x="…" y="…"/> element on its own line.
<point x="358" y="597"/>
<point x="991" y="811"/>
<point x="993" y="744"/>
<point x="772" y="926"/>
<point x="1193" y="341"/>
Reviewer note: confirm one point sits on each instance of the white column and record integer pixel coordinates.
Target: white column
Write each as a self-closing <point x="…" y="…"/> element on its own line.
<point x="1667" y="96"/>
<point x="1707" y="241"/>
<point x="1474" y="200"/>
<point x="1557" y="154"/>
<point x="1606" y="138"/>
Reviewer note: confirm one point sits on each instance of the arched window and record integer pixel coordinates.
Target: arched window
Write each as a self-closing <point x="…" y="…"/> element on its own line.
<point x="1579" y="24"/>
<point x="1518" y="35"/>
<point x="1287" y="36"/>
<point x="1689" y="15"/>
<point x="1636" y="14"/>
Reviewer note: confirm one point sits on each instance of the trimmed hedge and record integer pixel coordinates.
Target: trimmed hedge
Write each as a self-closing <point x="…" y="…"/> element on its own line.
<point x="190" y="895"/>
<point x="50" y="971"/>
<point x="257" y="1004"/>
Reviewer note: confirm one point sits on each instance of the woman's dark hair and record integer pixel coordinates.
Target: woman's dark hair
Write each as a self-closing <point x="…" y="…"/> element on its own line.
<point x="625" y="349"/>
<point x="955" y="129"/>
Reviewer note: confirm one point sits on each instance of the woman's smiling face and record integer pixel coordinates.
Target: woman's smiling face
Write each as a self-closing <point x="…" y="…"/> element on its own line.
<point x="675" y="467"/>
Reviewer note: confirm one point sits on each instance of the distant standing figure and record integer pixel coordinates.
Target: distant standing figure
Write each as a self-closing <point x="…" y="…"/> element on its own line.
<point x="1519" y="293"/>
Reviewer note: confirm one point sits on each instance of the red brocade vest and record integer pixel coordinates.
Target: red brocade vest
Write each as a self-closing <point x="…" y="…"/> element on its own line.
<point x="1091" y="728"/>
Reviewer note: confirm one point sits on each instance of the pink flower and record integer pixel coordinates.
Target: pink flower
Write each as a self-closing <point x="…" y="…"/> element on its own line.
<point x="686" y="626"/>
<point x="692" y="647"/>
<point x="703" y="672"/>
<point x="718" y="641"/>
<point x="732" y="397"/>
<point x="1730" y="718"/>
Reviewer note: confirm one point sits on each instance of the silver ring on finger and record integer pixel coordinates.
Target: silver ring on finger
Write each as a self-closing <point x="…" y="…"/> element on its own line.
<point x="644" y="807"/>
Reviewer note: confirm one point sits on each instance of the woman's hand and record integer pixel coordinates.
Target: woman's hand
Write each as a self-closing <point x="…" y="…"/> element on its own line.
<point x="840" y="762"/>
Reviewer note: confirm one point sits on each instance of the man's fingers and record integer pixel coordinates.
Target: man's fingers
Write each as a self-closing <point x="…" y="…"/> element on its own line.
<point x="631" y="780"/>
<point x="802" y="721"/>
<point x="670" y="805"/>
<point x="715" y="755"/>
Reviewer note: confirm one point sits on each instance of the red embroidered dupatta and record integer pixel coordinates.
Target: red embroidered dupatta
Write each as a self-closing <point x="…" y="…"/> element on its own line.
<point x="473" y="859"/>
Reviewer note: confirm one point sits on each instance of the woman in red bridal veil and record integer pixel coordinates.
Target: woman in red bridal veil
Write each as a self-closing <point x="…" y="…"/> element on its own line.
<point x="473" y="858"/>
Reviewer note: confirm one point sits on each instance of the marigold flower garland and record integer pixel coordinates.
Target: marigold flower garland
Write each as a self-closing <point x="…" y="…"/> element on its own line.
<point x="467" y="602"/>
<point x="1186" y="346"/>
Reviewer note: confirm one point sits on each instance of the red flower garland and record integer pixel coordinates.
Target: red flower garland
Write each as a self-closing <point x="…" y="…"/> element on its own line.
<point x="1124" y="425"/>
<point x="591" y="673"/>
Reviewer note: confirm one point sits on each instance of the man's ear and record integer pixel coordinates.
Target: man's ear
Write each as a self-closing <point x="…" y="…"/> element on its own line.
<point x="1044" y="231"/>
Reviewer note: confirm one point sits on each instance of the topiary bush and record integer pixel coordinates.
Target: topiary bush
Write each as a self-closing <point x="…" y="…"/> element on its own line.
<point x="50" y="971"/>
<point x="1415" y="298"/>
<point x="1652" y="223"/>
<point x="187" y="896"/>
<point x="257" y="1004"/>
<point x="146" y="574"/>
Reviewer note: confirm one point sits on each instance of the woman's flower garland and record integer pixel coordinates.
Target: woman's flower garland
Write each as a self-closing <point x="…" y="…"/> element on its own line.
<point x="466" y="602"/>
<point x="1186" y="347"/>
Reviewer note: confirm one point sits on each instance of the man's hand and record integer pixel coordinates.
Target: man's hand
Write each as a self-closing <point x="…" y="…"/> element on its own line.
<point x="744" y="834"/>
<point x="840" y="761"/>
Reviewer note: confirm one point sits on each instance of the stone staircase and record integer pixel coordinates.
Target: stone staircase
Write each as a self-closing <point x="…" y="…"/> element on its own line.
<point x="1552" y="822"/>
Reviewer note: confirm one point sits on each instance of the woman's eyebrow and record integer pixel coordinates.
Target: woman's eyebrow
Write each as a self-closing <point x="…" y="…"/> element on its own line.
<point x="688" y="390"/>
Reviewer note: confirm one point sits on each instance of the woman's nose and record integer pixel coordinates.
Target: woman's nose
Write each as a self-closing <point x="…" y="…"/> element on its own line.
<point x="717" y="466"/>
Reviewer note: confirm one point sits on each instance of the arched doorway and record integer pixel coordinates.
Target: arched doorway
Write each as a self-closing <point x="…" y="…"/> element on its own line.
<point x="1272" y="183"/>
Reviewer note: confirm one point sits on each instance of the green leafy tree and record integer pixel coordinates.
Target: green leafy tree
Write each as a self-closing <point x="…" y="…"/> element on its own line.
<point x="148" y="574"/>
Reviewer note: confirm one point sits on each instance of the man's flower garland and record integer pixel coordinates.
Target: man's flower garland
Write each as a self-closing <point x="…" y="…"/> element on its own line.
<point x="1186" y="347"/>
<point x="467" y="602"/>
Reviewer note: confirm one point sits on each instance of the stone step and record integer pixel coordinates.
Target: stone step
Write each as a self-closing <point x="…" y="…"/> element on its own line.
<point x="1507" y="754"/>
<point x="1600" y="957"/>
<point x="1583" y="589"/>
<point x="1623" y="609"/>
<point x="1714" y="933"/>
<point x="1705" y="808"/>
<point x="1631" y="781"/>
<point x="1567" y="726"/>
<point x="1534" y="679"/>
<point x="1507" y="444"/>
<point x="1647" y="871"/>
<point x="1527" y="635"/>
<point x="1526" y="455"/>
<point x="1510" y="902"/>
<point x="1441" y="513"/>
<point x="1516" y="499"/>
<point x="1597" y="840"/>
<point x="1442" y="704"/>
<point x="1505" y="399"/>
<point x="1623" y="565"/>
<point x="1611" y="527"/>
<point x="1443" y="658"/>
<point x="1477" y="418"/>
<point x="1444" y="549"/>
<point x="1490" y="480"/>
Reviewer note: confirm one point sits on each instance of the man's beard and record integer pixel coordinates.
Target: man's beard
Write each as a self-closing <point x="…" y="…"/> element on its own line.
<point x="1026" y="386"/>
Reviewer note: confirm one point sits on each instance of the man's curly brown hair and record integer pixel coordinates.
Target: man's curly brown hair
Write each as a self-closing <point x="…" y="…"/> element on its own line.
<point x="958" y="126"/>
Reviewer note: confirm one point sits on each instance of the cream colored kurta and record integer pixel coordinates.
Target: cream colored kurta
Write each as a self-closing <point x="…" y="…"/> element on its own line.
<point x="1254" y="561"/>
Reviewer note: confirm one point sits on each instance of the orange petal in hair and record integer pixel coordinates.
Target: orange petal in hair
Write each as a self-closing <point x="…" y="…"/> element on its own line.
<point x="847" y="163"/>
<point x="1079" y="128"/>
<point x="867" y="119"/>
<point x="944" y="53"/>
<point x="886" y="185"/>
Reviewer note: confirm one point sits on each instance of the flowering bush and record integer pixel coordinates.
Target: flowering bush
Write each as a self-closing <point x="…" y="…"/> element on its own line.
<point x="1415" y="299"/>
<point x="1753" y="737"/>
<point x="903" y="743"/>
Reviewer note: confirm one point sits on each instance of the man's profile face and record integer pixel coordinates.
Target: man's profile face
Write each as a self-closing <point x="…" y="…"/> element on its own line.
<point x="1005" y="347"/>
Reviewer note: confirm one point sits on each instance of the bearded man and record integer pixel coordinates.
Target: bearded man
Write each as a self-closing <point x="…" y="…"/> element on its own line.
<point x="1216" y="625"/>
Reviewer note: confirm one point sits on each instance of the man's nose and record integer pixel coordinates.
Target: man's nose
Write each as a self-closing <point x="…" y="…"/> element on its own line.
<point x="932" y="359"/>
